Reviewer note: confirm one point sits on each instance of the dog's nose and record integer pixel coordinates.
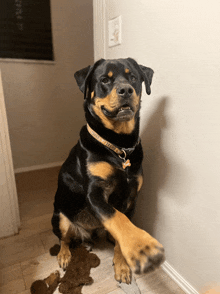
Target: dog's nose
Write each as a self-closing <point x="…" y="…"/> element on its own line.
<point x="125" y="91"/>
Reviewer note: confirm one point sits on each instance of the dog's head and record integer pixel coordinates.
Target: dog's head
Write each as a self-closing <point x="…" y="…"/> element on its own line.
<point x="112" y="89"/>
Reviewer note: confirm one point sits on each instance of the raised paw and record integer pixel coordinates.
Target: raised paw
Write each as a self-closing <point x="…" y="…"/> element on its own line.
<point x="142" y="252"/>
<point x="64" y="257"/>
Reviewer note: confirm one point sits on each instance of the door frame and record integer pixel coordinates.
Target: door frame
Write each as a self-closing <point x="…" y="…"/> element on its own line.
<point x="9" y="209"/>
<point x="99" y="29"/>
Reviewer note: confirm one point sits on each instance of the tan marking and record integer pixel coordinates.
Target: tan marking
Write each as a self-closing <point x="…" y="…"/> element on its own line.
<point x="64" y="255"/>
<point x="136" y="101"/>
<point x="118" y="224"/>
<point x="111" y="103"/>
<point x="77" y="229"/>
<point x="140" y="182"/>
<point x="127" y="70"/>
<point x="66" y="228"/>
<point x="64" y="225"/>
<point x="125" y="127"/>
<point x="110" y="74"/>
<point x="121" y="267"/>
<point x="137" y="246"/>
<point x="103" y="118"/>
<point x="92" y="94"/>
<point x="101" y="169"/>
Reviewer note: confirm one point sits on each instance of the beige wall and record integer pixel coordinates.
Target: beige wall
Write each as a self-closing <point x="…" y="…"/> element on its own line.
<point x="44" y="105"/>
<point x="180" y="127"/>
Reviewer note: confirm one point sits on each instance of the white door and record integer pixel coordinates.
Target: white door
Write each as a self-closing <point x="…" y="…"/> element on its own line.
<point x="9" y="211"/>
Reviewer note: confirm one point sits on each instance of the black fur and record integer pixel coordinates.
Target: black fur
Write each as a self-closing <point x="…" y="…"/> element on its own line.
<point x="78" y="190"/>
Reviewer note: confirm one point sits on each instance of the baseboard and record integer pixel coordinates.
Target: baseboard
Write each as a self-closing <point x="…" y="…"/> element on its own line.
<point x="178" y="279"/>
<point x="167" y="268"/>
<point x="37" y="167"/>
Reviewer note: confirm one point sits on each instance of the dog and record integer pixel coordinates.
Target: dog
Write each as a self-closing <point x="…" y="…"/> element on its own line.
<point x="99" y="182"/>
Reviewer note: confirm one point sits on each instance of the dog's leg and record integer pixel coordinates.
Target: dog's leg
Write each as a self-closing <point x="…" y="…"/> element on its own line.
<point x="64" y="255"/>
<point x="121" y="267"/>
<point x="141" y="251"/>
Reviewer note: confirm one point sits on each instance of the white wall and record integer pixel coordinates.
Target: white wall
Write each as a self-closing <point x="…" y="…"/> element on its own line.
<point x="180" y="127"/>
<point x="44" y="105"/>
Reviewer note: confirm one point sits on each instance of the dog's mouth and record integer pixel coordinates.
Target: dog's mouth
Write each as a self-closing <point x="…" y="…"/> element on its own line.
<point x="124" y="108"/>
<point x="123" y="113"/>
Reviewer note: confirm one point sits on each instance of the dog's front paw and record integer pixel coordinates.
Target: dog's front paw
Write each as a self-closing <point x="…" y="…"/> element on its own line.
<point x="64" y="257"/>
<point x="122" y="270"/>
<point x="142" y="252"/>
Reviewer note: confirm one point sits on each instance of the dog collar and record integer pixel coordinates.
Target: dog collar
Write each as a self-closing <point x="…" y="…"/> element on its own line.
<point x="122" y="153"/>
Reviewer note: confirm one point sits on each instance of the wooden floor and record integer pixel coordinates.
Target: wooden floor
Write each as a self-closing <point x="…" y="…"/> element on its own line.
<point x="24" y="258"/>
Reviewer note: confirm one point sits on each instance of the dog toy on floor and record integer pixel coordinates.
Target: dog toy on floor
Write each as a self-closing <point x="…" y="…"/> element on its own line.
<point x="78" y="271"/>
<point x="46" y="286"/>
<point x="76" y="275"/>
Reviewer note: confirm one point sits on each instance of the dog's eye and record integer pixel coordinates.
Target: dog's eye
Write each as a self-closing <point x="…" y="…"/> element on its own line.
<point x="105" y="80"/>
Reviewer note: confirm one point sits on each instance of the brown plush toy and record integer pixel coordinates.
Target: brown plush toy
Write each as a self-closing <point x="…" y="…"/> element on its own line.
<point x="46" y="286"/>
<point x="77" y="273"/>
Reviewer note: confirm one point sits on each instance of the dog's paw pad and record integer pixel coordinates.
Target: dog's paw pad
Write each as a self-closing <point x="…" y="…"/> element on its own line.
<point x="149" y="259"/>
<point x="144" y="253"/>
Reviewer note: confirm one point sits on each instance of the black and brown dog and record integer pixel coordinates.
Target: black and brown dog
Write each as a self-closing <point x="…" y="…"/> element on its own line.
<point x="99" y="182"/>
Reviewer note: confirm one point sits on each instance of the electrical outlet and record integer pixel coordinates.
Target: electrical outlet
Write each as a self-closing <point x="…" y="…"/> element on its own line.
<point x="114" y="31"/>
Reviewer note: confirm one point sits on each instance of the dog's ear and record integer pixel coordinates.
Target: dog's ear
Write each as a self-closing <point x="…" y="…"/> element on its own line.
<point x="80" y="77"/>
<point x="146" y="74"/>
<point x="84" y="75"/>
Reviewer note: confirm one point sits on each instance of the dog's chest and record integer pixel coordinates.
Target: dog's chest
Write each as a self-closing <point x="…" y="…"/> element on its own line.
<point x="125" y="189"/>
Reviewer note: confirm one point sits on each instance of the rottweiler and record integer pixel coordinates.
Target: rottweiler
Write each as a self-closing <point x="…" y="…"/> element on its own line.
<point x="99" y="182"/>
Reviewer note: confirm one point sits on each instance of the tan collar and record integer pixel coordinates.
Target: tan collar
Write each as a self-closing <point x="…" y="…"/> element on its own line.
<point x="103" y="141"/>
<point x="120" y="152"/>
